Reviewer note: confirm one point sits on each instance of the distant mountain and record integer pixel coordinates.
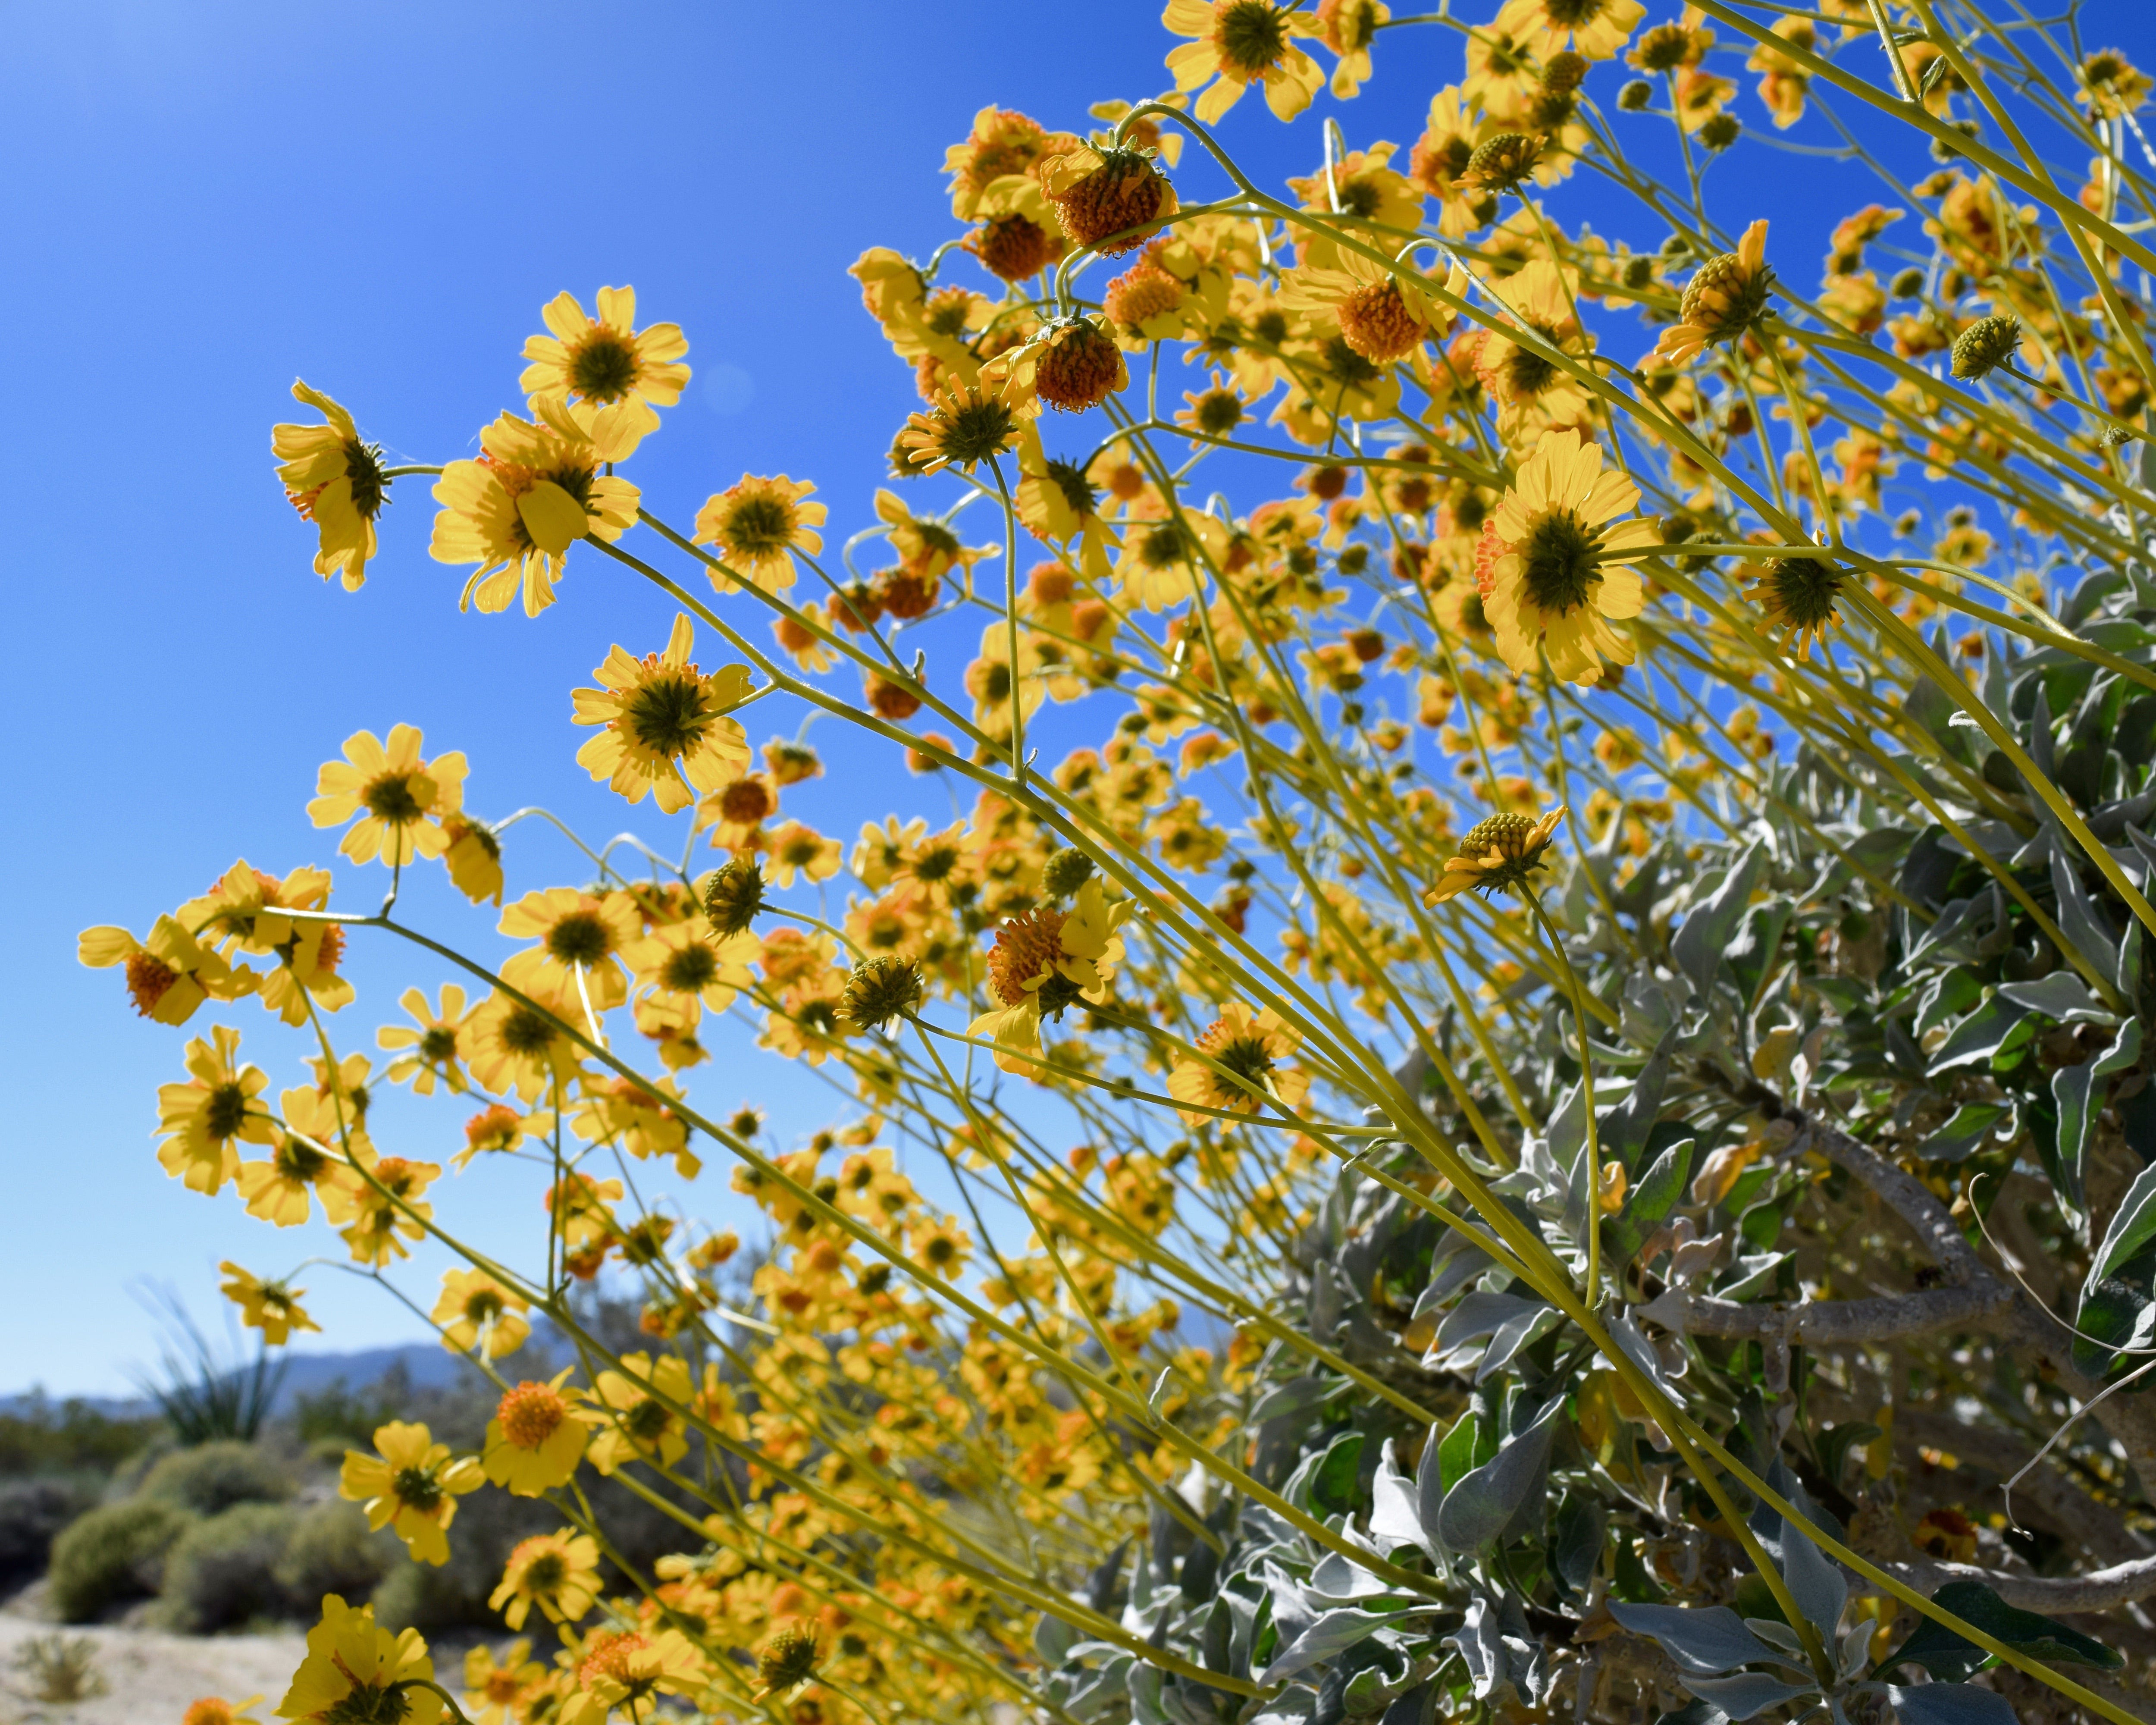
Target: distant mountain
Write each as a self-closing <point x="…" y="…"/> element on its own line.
<point x="426" y="1365"/>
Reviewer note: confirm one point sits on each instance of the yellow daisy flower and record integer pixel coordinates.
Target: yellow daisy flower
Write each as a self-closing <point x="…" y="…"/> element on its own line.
<point x="1240" y="43"/>
<point x="627" y="1672"/>
<point x="637" y="1423"/>
<point x="169" y="973"/>
<point x="215" y="1710"/>
<point x="665" y="723"/>
<point x="1593" y="30"/>
<point x="577" y="934"/>
<point x="1045" y="962"/>
<point x="556" y="1572"/>
<point x="436" y="1054"/>
<point x="282" y="1189"/>
<point x="269" y="1307"/>
<point x="534" y="490"/>
<point x="335" y="480"/>
<point x="758" y="526"/>
<point x="476" y="1310"/>
<point x="1542" y="564"/>
<point x="356" y="1670"/>
<point x="1251" y="1046"/>
<point x="616" y="375"/>
<point x="412" y="1484"/>
<point x="473" y="859"/>
<point x="535" y="1439"/>
<point x="204" y="1121"/>
<point x="1724" y="300"/>
<point x="1498" y="853"/>
<point x="400" y="798"/>
<point x="498" y="1688"/>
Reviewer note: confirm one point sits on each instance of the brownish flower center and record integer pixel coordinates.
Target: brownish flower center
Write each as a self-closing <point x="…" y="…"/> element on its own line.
<point x="530" y="1415"/>
<point x="1026" y="945"/>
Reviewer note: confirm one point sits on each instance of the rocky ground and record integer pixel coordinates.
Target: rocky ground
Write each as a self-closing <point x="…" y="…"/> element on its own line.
<point x="149" y="1677"/>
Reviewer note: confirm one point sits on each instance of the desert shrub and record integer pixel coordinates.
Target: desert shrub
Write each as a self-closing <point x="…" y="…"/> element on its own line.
<point x="61" y="1669"/>
<point x="337" y="1414"/>
<point x="71" y="1438"/>
<point x="31" y="1513"/>
<point x="210" y="1478"/>
<point x="1657" y="917"/>
<point x="223" y="1570"/>
<point x="331" y="1550"/>
<point x="113" y="1552"/>
<point x="488" y="1525"/>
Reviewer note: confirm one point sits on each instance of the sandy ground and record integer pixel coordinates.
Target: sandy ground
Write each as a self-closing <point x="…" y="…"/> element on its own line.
<point x="150" y="1677"/>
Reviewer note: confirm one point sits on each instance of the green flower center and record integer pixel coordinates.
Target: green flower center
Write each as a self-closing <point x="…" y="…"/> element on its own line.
<point x="1346" y="366"/>
<point x="1249" y="38"/>
<point x="581" y="938"/>
<point x="691" y="970"/>
<point x="369" y="1704"/>
<point x="390" y="799"/>
<point x="666" y="714"/>
<point x="545" y="1572"/>
<point x="975" y="431"/>
<point x="438" y="1044"/>
<point x="362" y="466"/>
<point x="526" y="1032"/>
<point x="1068" y="477"/>
<point x="226" y="1111"/>
<point x="1218" y="413"/>
<point x="417" y="1487"/>
<point x="1560" y="557"/>
<point x="759" y="524"/>
<point x="1248" y="1057"/>
<point x="603" y="369"/>
<point x="646" y="1421"/>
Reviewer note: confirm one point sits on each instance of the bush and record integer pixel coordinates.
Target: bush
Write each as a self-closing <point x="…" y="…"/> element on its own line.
<point x="114" y="1552"/>
<point x="31" y="1513"/>
<point x="333" y="1551"/>
<point x="223" y="1571"/>
<point x="43" y="1439"/>
<point x="210" y="1478"/>
<point x="338" y="1415"/>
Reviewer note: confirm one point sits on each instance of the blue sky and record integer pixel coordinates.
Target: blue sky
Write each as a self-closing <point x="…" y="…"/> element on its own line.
<point x="204" y="202"/>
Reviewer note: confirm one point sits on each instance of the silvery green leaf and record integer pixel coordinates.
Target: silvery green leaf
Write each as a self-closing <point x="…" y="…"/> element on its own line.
<point x="1332" y="1633"/>
<point x="2062" y="997"/>
<point x="1856" y="1648"/>
<point x="1699" y="944"/>
<point x="1290" y="1707"/>
<point x="1481" y="1314"/>
<point x="1514" y="1334"/>
<point x="1295" y="1396"/>
<point x="1816" y="1584"/>
<point x="1395" y="1519"/>
<point x="1704" y="1639"/>
<point x="1777" y="1636"/>
<point x="1950" y="1704"/>
<point x="1476" y="1509"/>
<point x="1053" y="1640"/>
<point x="1974" y="1124"/>
<point x="1340" y="1580"/>
<point x="1747" y="1693"/>
<point x="1143" y="1685"/>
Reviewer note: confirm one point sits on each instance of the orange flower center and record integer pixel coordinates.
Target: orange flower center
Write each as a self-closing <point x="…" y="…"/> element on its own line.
<point x="608" y="1656"/>
<point x="530" y="1415"/>
<point x="1026" y="947"/>
<point x="147" y="979"/>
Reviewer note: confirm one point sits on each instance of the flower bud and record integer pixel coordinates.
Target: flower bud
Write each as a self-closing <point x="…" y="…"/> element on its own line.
<point x="880" y="990"/>
<point x="1064" y="872"/>
<point x="733" y="896"/>
<point x="1986" y="345"/>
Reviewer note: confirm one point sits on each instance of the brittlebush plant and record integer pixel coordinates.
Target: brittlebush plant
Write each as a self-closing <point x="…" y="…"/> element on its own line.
<point x="1547" y="1107"/>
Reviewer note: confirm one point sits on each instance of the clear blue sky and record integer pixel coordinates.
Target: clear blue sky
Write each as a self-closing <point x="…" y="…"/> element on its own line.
<point x="203" y="201"/>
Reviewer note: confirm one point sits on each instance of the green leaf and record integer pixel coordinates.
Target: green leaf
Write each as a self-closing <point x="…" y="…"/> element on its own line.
<point x="1951" y="1656"/>
<point x="1472" y="1441"/>
<point x="1973" y="1124"/>
<point x="1659" y="1191"/>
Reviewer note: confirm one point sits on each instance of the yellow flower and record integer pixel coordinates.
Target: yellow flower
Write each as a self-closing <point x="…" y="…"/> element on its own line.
<point x="169" y="973"/>
<point x="473" y="859"/>
<point x="436" y="1052"/>
<point x="1251" y="1046"/>
<point x="1593" y="30"/>
<point x="269" y="1307"/>
<point x="399" y="797"/>
<point x="1499" y="853"/>
<point x="497" y="1687"/>
<point x="215" y="1710"/>
<point x="534" y="490"/>
<point x="556" y="1572"/>
<point x="615" y="373"/>
<point x="964" y="426"/>
<point x="476" y="1310"/>
<point x="1724" y="300"/>
<point x="1522" y="378"/>
<point x="282" y="1189"/>
<point x="1056" y="501"/>
<point x="1383" y="317"/>
<point x="354" y="1672"/>
<point x="1348" y="27"/>
<point x="1240" y="43"/>
<point x="249" y="910"/>
<point x="204" y="1121"/>
<point x="513" y="1048"/>
<point x="796" y="850"/>
<point x="1542" y="563"/>
<point x="412" y="1484"/>
<point x="1043" y="962"/>
<point x="335" y="480"/>
<point x="628" y="1672"/>
<point x="579" y="935"/>
<point x="535" y="1439"/>
<point x="637" y="1423"/>
<point x="689" y="965"/>
<point x="665" y="722"/>
<point x="758" y="526"/>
